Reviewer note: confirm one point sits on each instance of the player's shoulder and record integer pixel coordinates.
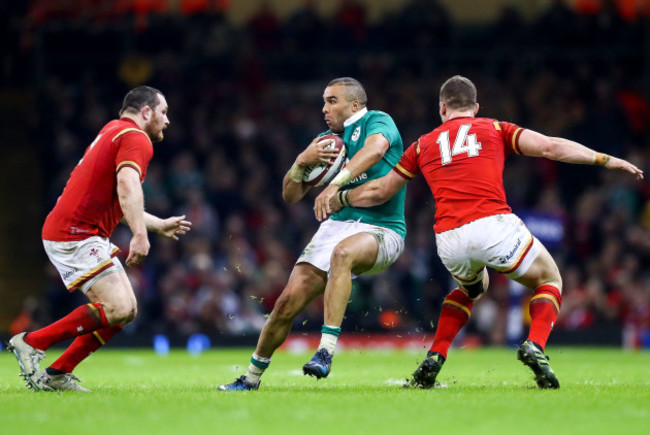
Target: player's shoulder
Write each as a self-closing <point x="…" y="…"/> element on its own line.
<point x="377" y="114"/>
<point x="119" y="128"/>
<point x="488" y="123"/>
<point x="379" y="118"/>
<point x="477" y="123"/>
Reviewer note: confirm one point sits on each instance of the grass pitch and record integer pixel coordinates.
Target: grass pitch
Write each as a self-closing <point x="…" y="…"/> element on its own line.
<point x="486" y="391"/>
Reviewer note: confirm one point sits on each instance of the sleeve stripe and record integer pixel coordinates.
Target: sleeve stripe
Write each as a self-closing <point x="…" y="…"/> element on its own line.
<point x="403" y="172"/>
<point x="515" y="140"/>
<point x="129" y="164"/>
<point x="497" y="126"/>
<point x="417" y="149"/>
<point x="128" y="130"/>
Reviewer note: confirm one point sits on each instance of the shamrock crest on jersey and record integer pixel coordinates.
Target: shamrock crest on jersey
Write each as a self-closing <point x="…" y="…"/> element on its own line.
<point x="356" y="134"/>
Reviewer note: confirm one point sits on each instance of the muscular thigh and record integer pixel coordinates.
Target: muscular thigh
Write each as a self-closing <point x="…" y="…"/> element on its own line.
<point x="379" y="247"/>
<point x="542" y="271"/>
<point x="114" y="290"/>
<point x="358" y="251"/>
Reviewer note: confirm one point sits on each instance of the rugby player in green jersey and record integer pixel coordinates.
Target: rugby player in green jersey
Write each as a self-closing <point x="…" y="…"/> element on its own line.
<point x="351" y="242"/>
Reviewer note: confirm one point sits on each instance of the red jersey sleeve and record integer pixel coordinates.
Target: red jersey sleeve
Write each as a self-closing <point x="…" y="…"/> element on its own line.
<point x="511" y="133"/>
<point x="408" y="167"/>
<point x="134" y="150"/>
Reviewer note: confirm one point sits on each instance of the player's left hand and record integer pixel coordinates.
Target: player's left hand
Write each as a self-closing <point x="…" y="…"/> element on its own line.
<point x="173" y="226"/>
<point x="624" y="165"/>
<point x="322" y="204"/>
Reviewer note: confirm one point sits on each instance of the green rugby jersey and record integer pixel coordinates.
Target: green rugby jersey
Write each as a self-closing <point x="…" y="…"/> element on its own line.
<point x="357" y="128"/>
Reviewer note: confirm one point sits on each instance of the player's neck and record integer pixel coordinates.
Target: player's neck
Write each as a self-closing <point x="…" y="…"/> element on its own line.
<point x="465" y="114"/>
<point x="134" y="118"/>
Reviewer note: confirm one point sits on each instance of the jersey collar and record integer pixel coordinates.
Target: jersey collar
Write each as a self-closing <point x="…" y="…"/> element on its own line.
<point x="127" y="119"/>
<point x="354" y="118"/>
<point x="460" y="117"/>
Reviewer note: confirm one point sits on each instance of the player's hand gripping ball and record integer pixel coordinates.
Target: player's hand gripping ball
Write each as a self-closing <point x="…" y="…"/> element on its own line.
<point x="322" y="173"/>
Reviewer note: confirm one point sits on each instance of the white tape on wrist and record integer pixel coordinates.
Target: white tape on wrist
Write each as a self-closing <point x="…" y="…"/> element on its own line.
<point x="296" y="173"/>
<point x="342" y="178"/>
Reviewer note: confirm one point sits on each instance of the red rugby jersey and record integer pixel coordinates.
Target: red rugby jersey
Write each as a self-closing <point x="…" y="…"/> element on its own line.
<point x="462" y="161"/>
<point x="89" y="205"/>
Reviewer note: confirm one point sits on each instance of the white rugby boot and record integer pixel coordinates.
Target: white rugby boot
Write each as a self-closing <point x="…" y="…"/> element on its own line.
<point x="28" y="358"/>
<point x="61" y="382"/>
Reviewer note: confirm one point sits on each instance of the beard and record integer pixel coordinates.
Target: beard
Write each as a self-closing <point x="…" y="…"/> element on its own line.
<point x="154" y="133"/>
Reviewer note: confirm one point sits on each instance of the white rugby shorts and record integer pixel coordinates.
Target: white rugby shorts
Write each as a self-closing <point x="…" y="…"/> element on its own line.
<point x="82" y="263"/>
<point x="501" y="242"/>
<point x="318" y="251"/>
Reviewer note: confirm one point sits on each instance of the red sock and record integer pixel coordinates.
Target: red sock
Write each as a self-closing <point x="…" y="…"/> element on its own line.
<point x="544" y="307"/>
<point x="84" y="319"/>
<point x="82" y="347"/>
<point x="455" y="312"/>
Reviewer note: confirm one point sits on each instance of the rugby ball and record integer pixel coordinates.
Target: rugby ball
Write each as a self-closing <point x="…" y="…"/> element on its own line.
<point x="321" y="173"/>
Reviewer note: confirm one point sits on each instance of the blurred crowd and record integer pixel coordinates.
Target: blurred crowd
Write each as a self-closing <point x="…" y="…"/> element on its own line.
<point x="245" y="100"/>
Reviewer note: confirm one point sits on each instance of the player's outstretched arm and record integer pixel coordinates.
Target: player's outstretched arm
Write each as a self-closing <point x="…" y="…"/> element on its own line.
<point x="369" y="194"/>
<point x="131" y="198"/>
<point x="293" y="189"/>
<point x="536" y="144"/>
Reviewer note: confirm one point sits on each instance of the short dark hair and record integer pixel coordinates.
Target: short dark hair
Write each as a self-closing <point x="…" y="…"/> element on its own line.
<point x="353" y="88"/>
<point x="458" y="93"/>
<point x="139" y="97"/>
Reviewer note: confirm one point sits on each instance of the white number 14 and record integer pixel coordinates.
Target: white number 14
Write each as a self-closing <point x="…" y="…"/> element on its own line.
<point x="464" y="143"/>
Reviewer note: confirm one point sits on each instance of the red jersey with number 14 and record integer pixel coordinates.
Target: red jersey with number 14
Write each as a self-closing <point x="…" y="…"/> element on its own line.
<point x="462" y="161"/>
<point x="89" y="205"/>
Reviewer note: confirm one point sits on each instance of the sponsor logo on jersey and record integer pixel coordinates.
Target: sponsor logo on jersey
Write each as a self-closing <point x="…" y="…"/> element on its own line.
<point x="356" y="134"/>
<point x="504" y="259"/>
<point x="360" y="177"/>
<point x="75" y="230"/>
<point x="67" y="274"/>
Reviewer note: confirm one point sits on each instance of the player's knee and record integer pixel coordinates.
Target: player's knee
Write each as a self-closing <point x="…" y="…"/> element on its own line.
<point x="475" y="291"/>
<point x="284" y="308"/>
<point x="550" y="277"/>
<point x="555" y="282"/>
<point x="120" y="313"/>
<point x="132" y="314"/>
<point x="341" y="256"/>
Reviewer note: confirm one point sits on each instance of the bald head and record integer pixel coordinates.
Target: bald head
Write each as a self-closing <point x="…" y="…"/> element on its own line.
<point x="354" y="90"/>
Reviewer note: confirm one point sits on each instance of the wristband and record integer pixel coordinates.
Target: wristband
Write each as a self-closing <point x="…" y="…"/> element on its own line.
<point x="296" y="173"/>
<point x="343" y="197"/>
<point x="343" y="178"/>
<point x="601" y="159"/>
<point x="339" y="196"/>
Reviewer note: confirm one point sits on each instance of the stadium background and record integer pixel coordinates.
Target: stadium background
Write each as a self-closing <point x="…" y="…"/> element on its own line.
<point x="244" y="80"/>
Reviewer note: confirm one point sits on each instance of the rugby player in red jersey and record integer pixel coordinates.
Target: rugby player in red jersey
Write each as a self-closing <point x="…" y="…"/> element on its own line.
<point x="103" y="189"/>
<point x="462" y="161"/>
